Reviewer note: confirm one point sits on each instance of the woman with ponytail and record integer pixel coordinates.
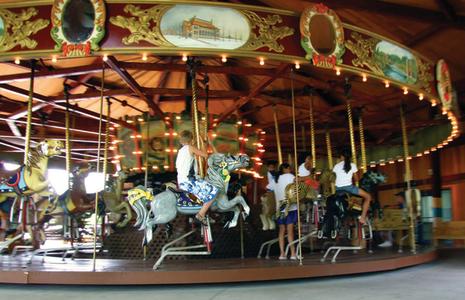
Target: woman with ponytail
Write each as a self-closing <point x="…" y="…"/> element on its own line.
<point x="346" y="172"/>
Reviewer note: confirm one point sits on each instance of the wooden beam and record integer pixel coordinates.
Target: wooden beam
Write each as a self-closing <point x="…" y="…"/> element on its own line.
<point x="424" y="35"/>
<point x="132" y="83"/>
<point x="82" y="70"/>
<point x="254" y="92"/>
<point x="50" y="100"/>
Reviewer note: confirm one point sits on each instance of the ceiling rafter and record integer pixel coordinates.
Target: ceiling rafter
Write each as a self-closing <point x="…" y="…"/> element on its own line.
<point x="254" y="92"/>
<point x="132" y="83"/>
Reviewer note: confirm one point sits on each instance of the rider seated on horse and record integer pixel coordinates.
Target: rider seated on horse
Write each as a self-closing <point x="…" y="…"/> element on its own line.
<point x="305" y="172"/>
<point x="346" y="172"/>
<point x="271" y="175"/>
<point x="187" y="172"/>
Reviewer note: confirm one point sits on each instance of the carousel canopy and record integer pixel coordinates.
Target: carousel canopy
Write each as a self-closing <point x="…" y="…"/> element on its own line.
<point x="242" y="87"/>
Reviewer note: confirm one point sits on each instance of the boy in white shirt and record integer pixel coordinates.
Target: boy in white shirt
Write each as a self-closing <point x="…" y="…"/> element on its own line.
<point x="185" y="163"/>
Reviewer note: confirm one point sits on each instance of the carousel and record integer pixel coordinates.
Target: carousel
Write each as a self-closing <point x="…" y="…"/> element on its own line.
<point x="95" y="95"/>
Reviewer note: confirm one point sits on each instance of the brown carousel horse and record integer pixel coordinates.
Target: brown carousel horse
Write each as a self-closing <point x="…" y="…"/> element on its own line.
<point x="31" y="180"/>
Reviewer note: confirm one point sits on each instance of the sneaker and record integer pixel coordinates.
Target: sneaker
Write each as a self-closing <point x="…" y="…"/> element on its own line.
<point x="293" y="258"/>
<point x="282" y="258"/>
<point x="386" y="244"/>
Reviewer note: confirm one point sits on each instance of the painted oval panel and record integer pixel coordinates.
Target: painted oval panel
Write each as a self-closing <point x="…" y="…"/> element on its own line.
<point x="78" y="20"/>
<point x="196" y="26"/>
<point x="322" y="34"/>
<point x="396" y="62"/>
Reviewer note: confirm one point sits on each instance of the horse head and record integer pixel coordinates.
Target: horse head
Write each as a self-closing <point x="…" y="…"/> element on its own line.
<point x="228" y="162"/>
<point x="51" y="147"/>
<point x="371" y="179"/>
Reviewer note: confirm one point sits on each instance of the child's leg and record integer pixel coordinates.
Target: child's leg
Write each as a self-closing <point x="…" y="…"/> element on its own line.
<point x="205" y="207"/>
<point x="366" y="204"/>
<point x="282" y="231"/>
<point x="290" y="237"/>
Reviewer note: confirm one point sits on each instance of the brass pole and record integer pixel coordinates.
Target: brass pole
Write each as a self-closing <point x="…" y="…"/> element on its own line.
<point x="312" y="134"/>
<point x="362" y="144"/>
<point x="94" y="255"/>
<point x="407" y="180"/>
<point x="195" y="114"/>
<point x="278" y="139"/>
<point x="296" y="169"/>
<point x="330" y="157"/>
<point x="147" y="141"/>
<point x="27" y="143"/>
<point x="351" y="131"/>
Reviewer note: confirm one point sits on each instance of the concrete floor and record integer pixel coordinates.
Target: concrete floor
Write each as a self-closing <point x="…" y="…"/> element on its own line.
<point x="440" y="280"/>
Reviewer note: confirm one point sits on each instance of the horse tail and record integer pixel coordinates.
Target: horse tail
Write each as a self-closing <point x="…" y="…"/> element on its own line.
<point x="137" y="200"/>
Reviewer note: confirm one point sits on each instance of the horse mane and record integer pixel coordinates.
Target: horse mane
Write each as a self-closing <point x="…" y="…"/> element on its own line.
<point x="35" y="154"/>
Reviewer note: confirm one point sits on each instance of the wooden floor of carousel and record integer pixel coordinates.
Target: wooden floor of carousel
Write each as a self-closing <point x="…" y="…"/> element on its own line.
<point x="196" y="270"/>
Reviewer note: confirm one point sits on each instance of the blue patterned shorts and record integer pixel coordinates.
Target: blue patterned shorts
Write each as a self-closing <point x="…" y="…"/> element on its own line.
<point x="202" y="189"/>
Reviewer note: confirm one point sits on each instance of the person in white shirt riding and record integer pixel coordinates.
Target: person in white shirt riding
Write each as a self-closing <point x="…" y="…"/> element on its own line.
<point x="187" y="181"/>
<point x="346" y="173"/>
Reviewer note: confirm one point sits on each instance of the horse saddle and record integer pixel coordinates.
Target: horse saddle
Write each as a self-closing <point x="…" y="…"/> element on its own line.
<point x="15" y="183"/>
<point x="185" y="199"/>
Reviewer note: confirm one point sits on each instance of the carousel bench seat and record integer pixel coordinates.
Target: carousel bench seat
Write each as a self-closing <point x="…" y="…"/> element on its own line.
<point x="393" y="219"/>
<point x="454" y="230"/>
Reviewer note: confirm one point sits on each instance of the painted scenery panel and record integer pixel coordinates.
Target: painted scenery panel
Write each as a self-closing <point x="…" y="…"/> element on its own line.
<point x="194" y="26"/>
<point x="396" y="62"/>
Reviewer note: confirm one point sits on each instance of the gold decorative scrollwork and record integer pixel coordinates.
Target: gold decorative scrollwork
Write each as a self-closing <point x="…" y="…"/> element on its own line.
<point x="363" y="49"/>
<point x="17" y="29"/>
<point x="425" y="75"/>
<point x="268" y="33"/>
<point x="144" y="25"/>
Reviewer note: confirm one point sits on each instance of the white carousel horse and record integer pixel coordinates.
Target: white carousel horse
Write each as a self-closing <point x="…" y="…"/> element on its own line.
<point x="166" y="205"/>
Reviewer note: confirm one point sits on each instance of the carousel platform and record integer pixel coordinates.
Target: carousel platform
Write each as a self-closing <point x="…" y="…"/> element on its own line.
<point x="54" y="270"/>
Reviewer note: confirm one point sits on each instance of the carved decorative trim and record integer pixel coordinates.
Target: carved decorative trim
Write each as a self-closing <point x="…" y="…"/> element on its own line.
<point x="363" y="49"/>
<point x="144" y="25"/>
<point x="17" y="29"/>
<point x="268" y="33"/>
<point x="319" y="59"/>
<point x="444" y="84"/>
<point x="69" y="48"/>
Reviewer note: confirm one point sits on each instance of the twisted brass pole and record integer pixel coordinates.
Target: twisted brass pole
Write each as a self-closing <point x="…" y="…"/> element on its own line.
<point x="362" y="144"/>
<point x="351" y="131"/>
<point x="312" y="134"/>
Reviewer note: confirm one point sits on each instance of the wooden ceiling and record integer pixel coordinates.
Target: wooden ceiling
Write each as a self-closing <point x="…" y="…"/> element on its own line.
<point x="240" y="86"/>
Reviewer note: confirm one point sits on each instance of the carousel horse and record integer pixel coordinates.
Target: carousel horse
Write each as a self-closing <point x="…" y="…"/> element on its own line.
<point x="166" y="205"/>
<point x="307" y="191"/>
<point x="75" y="201"/>
<point x="268" y="211"/>
<point x="31" y="180"/>
<point x="341" y="205"/>
<point x="113" y="203"/>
